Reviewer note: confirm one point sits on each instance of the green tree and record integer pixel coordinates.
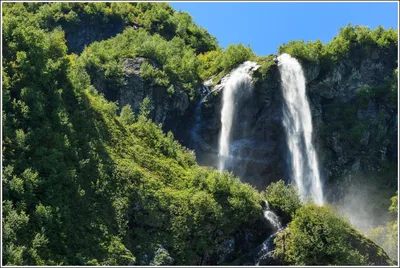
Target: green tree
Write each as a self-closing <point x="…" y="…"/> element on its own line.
<point x="318" y="236"/>
<point x="283" y="198"/>
<point x="235" y="55"/>
<point x="145" y="108"/>
<point x="127" y="116"/>
<point x="386" y="236"/>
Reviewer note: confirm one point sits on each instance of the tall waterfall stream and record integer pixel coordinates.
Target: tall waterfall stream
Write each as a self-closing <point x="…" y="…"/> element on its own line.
<point x="298" y="126"/>
<point x="239" y="79"/>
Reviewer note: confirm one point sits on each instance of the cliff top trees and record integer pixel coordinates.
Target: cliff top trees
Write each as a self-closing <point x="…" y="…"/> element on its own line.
<point x="348" y="39"/>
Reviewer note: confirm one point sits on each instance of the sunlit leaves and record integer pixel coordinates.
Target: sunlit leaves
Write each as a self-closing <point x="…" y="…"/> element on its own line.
<point x="318" y="236"/>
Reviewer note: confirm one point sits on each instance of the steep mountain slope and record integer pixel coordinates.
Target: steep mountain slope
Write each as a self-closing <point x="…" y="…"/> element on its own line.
<point x="83" y="186"/>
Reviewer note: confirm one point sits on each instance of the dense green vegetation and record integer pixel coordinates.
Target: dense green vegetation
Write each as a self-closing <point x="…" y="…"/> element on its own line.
<point x="317" y="236"/>
<point x="387" y="236"/>
<point x="171" y="63"/>
<point x="160" y="19"/>
<point x="170" y="41"/>
<point x="152" y="31"/>
<point x="348" y="39"/>
<point x="219" y="62"/>
<point x="283" y="199"/>
<point x="179" y="62"/>
<point x="85" y="184"/>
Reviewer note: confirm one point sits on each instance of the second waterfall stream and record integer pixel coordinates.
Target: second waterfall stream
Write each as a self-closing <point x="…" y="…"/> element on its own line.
<point x="238" y="79"/>
<point x="298" y="126"/>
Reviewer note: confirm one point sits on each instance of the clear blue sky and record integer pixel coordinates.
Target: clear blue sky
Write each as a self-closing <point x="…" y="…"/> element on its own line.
<point x="264" y="26"/>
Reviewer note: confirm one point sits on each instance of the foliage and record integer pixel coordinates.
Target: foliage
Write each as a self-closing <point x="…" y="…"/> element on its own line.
<point x="284" y="199"/>
<point x="211" y="63"/>
<point x="386" y="236"/>
<point x="265" y="64"/>
<point x="127" y="115"/>
<point x="83" y="186"/>
<point x="350" y="39"/>
<point x="235" y="55"/>
<point x="220" y="62"/>
<point x="312" y="52"/>
<point x="161" y="257"/>
<point x="155" y="31"/>
<point x="194" y="36"/>
<point x="317" y="236"/>
<point x="179" y="62"/>
<point x="101" y="19"/>
<point x="153" y="76"/>
<point x="145" y="108"/>
<point x="394" y="207"/>
<point x="385" y="92"/>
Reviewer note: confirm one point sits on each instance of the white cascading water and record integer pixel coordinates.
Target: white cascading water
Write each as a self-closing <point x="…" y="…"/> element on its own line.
<point x="239" y="78"/>
<point x="298" y="125"/>
<point x="270" y="216"/>
<point x="267" y="245"/>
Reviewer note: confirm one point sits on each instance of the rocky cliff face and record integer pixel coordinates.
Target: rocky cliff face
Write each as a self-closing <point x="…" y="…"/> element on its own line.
<point x="355" y="131"/>
<point x="258" y="144"/>
<point x="354" y="107"/>
<point x="354" y="119"/>
<point x="167" y="109"/>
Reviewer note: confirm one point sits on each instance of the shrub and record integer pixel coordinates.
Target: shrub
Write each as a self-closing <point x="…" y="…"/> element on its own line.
<point x="350" y="38"/>
<point x="318" y="236"/>
<point x="309" y="51"/>
<point x="235" y="55"/>
<point x="127" y="116"/>
<point x="284" y="199"/>
<point x="386" y="236"/>
<point x="220" y="62"/>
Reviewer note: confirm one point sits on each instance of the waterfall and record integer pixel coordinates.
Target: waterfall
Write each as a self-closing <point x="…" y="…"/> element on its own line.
<point x="267" y="246"/>
<point x="238" y="79"/>
<point x="298" y="125"/>
<point x="270" y="216"/>
<point x="266" y="249"/>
